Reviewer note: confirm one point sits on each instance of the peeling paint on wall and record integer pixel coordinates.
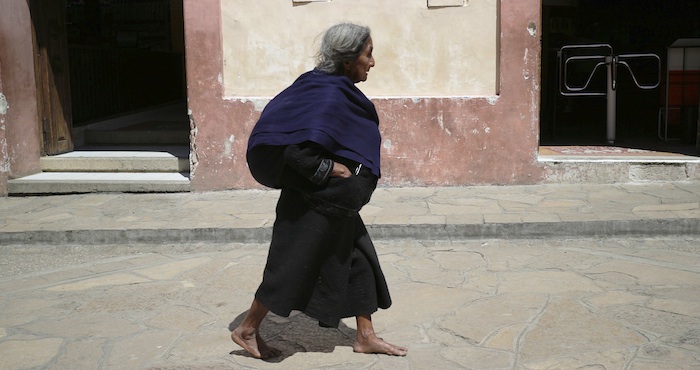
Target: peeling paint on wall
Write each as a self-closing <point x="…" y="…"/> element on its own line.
<point x="194" y="158"/>
<point x="5" y="162"/>
<point x="532" y="29"/>
<point x="258" y="104"/>
<point x="526" y="60"/>
<point x="4" y="106"/>
<point x="441" y="122"/>
<point x="228" y="146"/>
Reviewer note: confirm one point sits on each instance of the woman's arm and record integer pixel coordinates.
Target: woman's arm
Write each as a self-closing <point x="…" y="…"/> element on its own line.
<point x="309" y="160"/>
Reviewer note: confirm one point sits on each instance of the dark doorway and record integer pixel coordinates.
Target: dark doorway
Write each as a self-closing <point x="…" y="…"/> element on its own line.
<point x="125" y="56"/>
<point x="629" y="26"/>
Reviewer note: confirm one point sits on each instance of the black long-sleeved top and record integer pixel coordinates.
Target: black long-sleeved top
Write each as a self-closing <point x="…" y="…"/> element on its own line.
<point x="307" y="167"/>
<point x="310" y="160"/>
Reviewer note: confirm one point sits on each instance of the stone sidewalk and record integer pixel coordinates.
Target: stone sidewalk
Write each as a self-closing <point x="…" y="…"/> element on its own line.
<point x="553" y="210"/>
<point x="513" y="277"/>
<point x="612" y="303"/>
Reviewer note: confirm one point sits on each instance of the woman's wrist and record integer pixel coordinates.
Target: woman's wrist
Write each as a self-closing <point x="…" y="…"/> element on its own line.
<point x="340" y="170"/>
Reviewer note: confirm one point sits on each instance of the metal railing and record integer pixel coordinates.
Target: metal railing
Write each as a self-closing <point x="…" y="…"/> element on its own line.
<point x="592" y="53"/>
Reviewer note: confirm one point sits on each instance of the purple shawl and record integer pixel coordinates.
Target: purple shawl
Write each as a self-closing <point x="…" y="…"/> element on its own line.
<point x="326" y="109"/>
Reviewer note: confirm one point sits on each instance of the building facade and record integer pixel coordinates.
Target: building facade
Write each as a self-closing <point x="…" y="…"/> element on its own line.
<point x="457" y="86"/>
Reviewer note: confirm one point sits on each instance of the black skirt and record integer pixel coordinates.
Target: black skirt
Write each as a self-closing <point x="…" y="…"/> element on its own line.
<point x="321" y="263"/>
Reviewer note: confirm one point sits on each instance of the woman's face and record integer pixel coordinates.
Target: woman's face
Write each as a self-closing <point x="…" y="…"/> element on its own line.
<point x="358" y="69"/>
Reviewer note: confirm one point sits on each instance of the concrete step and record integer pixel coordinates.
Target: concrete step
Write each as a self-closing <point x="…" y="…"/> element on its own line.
<point x="98" y="182"/>
<point x="120" y="159"/>
<point x="129" y="169"/>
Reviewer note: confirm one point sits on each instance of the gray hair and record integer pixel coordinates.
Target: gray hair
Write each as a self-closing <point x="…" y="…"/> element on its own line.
<point x="341" y="43"/>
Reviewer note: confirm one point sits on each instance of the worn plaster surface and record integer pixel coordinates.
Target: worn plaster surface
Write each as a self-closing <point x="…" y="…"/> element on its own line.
<point x="21" y="130"/>
<point x="420" y="50"/>
<point x="487" y="138"/>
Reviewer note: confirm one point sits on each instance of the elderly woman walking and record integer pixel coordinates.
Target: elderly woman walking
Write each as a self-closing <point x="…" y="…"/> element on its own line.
<point x="318" y="141"/>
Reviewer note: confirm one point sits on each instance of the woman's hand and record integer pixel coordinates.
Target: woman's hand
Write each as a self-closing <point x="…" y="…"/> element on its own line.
<point x="340" y="170"/>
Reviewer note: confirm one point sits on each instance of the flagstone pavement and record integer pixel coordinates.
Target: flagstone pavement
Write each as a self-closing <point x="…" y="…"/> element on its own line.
<point x="543" y="277"/>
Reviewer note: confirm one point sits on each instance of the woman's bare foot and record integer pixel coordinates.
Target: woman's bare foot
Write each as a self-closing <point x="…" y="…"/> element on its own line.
<point x="373" y="344"/>
<point x="251" y="341"/>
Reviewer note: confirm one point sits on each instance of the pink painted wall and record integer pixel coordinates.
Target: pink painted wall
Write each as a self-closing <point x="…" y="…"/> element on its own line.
<point x="428" y="141"/>
<point x="19" y="156"/>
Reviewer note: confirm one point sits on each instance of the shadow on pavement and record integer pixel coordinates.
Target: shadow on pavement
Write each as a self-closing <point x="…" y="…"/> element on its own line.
<point x="297" y="333"/>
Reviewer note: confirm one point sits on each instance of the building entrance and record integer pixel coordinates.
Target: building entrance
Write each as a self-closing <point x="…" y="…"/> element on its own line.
<point x="111" y="95"/>
<point x="630" y="27"/>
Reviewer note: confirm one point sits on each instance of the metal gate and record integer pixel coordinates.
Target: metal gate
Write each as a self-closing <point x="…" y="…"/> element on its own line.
<point x="602" y="55"/>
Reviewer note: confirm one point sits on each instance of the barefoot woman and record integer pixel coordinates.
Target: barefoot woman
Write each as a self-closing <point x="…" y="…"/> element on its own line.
<point x="318" y="141"/>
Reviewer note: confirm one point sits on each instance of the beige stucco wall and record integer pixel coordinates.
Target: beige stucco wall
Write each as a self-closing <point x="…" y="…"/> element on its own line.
<point x="419" y="51"/>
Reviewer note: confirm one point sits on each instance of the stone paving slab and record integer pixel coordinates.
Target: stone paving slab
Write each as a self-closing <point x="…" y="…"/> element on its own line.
<point x="607" y="303"/>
